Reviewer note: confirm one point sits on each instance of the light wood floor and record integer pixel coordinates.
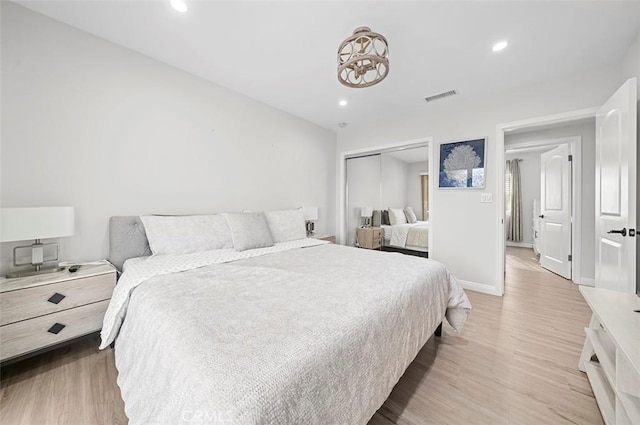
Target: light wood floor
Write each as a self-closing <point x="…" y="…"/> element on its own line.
<point x="515" y="363"/>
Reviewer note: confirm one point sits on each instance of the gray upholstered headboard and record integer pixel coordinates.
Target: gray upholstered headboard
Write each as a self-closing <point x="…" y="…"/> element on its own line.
<point x="127" y="239"/>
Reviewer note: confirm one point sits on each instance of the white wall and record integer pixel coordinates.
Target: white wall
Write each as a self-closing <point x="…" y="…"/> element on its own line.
<point x="530" y="189"/>
<point x="414" y="187"/>
<point x="586" y="131"/>
<point x="464" y="230"/>
<point x="90" y="124"/>
<point x="631" y="62"/>
<point x="394" y="182"/>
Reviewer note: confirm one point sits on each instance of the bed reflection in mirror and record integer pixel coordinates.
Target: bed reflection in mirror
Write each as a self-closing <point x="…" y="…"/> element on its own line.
<point x="396" y="184"/>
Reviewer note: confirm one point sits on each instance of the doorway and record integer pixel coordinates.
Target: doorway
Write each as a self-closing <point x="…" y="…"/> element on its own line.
<point x="542" y="198"/>
<point x="568" y="250"/>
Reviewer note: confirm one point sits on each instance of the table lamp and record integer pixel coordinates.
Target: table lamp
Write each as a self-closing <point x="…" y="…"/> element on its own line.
<point x="21" y="224"/>
<point x="310" y="215"/>
<point x="366" y="213"/>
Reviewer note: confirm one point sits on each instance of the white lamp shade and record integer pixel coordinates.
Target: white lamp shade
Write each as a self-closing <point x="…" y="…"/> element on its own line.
<point x="310" y="213"/>
<point x="366" y="211"/>
<point x="21" y="224"/>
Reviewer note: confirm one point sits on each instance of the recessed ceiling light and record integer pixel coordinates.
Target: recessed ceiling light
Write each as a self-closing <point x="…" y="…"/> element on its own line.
<point x="343" y="102"/>
<point x="501" y="45"/>
<point x="342" y="124"/>
<point x="179" y="5"/>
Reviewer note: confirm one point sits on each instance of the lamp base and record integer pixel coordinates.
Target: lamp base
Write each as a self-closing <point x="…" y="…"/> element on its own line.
<point x="310" y="228"/>
<point x="27" y="273"/>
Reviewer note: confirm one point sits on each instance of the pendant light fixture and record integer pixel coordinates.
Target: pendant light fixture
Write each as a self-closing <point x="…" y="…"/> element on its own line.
<point x="363" y="59"/>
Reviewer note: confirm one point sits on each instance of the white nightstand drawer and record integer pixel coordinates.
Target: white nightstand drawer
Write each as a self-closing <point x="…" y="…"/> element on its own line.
<point x="40" y="300"/>
<point x="30" y="335"/>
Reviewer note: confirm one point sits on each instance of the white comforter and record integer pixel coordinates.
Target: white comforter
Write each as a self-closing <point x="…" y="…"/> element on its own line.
<point x="318" y="335"/>
<point x="400" y="233"/>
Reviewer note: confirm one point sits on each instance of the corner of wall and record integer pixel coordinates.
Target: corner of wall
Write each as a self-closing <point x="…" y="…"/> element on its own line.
<point x="480" y="287"/>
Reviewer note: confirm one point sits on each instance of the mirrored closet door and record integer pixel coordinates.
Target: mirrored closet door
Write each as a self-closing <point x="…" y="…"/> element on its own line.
<point x="390" y="180"/>
<point x="363" y="191"/>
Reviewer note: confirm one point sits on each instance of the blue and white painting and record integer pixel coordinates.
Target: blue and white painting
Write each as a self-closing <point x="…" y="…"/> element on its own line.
<point x="462" y="164"/>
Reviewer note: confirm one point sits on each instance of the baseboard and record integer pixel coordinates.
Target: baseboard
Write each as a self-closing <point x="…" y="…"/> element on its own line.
<point x="586" y="281"/>
<point x="519" y="244"/>
<point x="480" y="287"/>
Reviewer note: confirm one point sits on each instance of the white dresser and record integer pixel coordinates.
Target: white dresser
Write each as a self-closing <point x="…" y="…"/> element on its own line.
<point x="611" y="354"/>
<point x="39" y="312"/>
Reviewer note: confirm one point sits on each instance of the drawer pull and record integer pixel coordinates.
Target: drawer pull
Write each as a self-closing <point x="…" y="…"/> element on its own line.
<point x="55" y="329"/>
<point x="56" y="298"/>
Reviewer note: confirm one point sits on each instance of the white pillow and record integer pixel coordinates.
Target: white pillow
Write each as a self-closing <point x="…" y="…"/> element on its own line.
<point x="286" y="225"/>
<point x="396" y="216"/>
<point x="411" y="215"/>
<point x="249" y="230"/>
<point x="186" y="233"/>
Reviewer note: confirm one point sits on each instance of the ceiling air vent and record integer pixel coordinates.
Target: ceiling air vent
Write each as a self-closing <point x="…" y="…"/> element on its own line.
<point x="441" y="95"/>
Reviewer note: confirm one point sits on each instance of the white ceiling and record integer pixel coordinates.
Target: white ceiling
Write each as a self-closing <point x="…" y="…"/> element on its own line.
<point x="284" y="53"/>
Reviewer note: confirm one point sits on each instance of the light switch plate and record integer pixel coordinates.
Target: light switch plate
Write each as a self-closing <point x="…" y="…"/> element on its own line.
<point x="486" y="197"/>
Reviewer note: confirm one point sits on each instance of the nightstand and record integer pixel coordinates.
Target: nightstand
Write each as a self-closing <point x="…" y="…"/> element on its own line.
<point x="369" y="237"/>
<point x="328" y="238"/>
<point x="39" y="312"/>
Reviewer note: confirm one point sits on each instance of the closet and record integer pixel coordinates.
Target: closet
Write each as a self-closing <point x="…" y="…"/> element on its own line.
<point x="382" y="180"/>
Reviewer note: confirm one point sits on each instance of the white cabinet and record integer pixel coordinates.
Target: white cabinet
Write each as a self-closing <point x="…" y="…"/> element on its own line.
<point x="611" y="354"/>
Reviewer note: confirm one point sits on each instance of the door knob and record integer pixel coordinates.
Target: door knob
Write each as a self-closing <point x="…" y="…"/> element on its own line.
<point x="623" y="232"/>
<point x="541" y="216"/>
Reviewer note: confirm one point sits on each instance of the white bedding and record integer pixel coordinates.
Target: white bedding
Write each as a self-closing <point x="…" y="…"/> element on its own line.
<point x="386" y="230"/>
<point x="138" y="270"/>
<point x="399" y="233"/>
<point x="318" y="335"/>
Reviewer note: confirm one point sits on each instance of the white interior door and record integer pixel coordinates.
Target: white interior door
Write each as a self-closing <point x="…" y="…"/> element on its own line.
<point x="555" y="211"/>
<point x="616" y="163"/>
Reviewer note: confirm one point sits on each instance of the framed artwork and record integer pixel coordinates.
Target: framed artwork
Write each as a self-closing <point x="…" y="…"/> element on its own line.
<point x="462" y="164"/>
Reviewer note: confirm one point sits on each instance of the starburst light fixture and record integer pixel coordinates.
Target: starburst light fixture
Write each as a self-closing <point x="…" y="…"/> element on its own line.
<point x="363" y="59"/>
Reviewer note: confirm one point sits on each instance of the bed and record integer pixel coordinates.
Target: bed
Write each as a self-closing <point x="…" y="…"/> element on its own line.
<point x="403" y="232"/>
<point x="413" y="236"/>
<point x="301" y="332"/>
